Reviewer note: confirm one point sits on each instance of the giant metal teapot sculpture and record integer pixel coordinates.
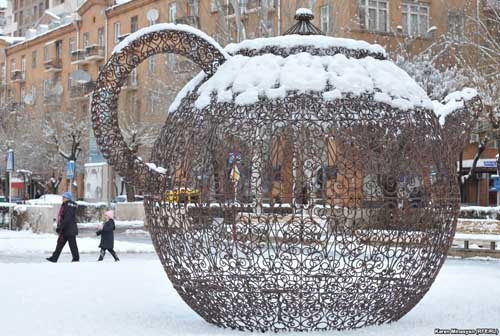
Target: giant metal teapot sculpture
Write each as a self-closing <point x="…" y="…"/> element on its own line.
<point x="323" y="187"/>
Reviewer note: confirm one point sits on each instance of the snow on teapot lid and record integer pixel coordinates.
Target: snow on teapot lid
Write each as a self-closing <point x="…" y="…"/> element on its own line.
<point x="304" y="61"/>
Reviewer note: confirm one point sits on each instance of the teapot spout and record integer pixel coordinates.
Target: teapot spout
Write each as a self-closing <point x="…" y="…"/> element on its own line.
<point x="458" y="114"/>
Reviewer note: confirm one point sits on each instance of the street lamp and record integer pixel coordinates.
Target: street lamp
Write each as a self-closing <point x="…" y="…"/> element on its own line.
<point x="10" y="169"/>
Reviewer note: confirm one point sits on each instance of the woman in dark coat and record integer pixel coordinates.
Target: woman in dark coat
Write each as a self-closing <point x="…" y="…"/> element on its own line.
<point x="107" y="236"/>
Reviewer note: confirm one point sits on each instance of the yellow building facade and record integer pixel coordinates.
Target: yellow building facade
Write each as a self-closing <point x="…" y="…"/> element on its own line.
<point x="51" y="75"/>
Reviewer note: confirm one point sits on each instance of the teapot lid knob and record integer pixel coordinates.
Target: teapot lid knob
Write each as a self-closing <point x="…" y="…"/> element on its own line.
<point x="304" y="16"/>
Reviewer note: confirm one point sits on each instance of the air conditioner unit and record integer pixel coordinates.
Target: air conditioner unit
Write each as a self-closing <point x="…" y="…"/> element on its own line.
<point x="474" y="138"/>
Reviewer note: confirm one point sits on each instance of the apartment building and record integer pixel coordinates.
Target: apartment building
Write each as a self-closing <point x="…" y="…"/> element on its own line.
<point x="3" y="17"/>
<point x="54" y="69"/>
<point x="23" y="15"/>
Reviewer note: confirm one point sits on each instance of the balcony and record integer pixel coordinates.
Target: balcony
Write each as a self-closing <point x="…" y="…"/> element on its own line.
<point x="81" y="91"/>
<point x="78" y="56"/>
<point x="53" y="65"/>
<point x="94" y="53"/>
<point x="191" y="20"/>
<point x="18" y="76"/>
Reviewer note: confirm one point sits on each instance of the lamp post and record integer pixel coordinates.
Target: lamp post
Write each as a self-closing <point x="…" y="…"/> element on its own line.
<point x="10" y="169"/>
<point x="70" y="173"/>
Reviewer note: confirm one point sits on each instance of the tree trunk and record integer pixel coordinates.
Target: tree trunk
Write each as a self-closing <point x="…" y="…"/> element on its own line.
<point x="130" y="192"/>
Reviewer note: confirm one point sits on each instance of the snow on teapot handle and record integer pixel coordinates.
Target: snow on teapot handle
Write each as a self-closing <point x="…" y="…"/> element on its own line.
<point x="458" y="114"/>
<point x="127" y="55"/>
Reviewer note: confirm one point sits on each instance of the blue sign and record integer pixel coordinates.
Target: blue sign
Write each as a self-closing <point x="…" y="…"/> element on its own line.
<point x="496" y="183"/>
<point x="10" y="160"/>
<point x="492" y="164"/>
<point x="70" y="170"/>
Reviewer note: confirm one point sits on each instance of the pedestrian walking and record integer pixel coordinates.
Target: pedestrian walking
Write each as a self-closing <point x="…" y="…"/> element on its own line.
<point x="107" y="236"/>
<point x="66" y="228"/>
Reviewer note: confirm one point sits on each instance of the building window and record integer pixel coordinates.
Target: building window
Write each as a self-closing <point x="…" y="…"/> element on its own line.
<point x="3" y="74"/>
<point x="59" y="49"/>
<point x="46" y="87"/>
<point x="194" y="8"/>
<point x="12" y="67"/>
<point x="134" y="23"/>
<point x="415" y="18"/>
<point x="23" y="66"/>
<point x="171" y="62"/>
<point x="86" y="39"/>
<point x="100" y="37"/>
<point x="154" y="101"/>
<point x="72" y="45"/>
<point x="133" y="77"/>
<point x="172" y="12"/>
<point x="33" y="59"/>
<point x="45" y="53"/>
<point x="214" y="6"/>
<point x="133" y="105"/>
<point x="152" y="64"/>
<point x="40" y="9"/>
<point x="456" y="23"/>
<point x="33" y="93"/>
<point x="117" y="29"/>
<point x="325" y="18"/>
<point x="373" y="15"/>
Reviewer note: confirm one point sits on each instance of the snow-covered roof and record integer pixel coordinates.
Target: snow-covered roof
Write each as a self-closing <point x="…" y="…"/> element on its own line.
<point x="454" y="101"/>
<point x="317" y="41"/>
<point x="244" y="80"/>
<point x="12" y="39"/>
<point x="44" y="33"/>
<point x="167" y="26"/>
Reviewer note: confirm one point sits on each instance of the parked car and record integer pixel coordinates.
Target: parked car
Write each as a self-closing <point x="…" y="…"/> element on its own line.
<point x="123" y="199"/>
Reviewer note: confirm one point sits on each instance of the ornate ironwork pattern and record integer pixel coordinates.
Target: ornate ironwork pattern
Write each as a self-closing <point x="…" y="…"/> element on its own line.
<point x="304" y="25"/>
<point x="115" y="74"/>
<point x="314" y="50"/>
<point x="290" y="214"/>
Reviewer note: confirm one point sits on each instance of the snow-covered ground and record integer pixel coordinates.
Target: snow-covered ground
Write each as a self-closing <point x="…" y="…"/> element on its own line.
<point x="135" y="224"/>
<point x="26" y="242"/>
<point x="136" y="298"/>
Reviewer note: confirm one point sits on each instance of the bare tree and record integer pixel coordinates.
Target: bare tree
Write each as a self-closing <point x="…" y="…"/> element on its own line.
<point x="67" y="134"/>
<point x="139" y="137"/>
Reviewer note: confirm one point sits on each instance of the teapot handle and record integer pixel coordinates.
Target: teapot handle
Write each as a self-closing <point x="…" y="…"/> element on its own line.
<point x="162" y="38"/>
<point x="458" y="124"/>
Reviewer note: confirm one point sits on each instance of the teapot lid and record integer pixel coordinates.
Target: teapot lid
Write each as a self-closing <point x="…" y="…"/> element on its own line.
<point x="304" y="36"/>
<point x="304" y="25"/>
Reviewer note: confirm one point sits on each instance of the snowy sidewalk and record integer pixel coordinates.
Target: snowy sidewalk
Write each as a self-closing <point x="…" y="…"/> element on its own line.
<point x="26" y="242"/>
<point x="136" y="298"/>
